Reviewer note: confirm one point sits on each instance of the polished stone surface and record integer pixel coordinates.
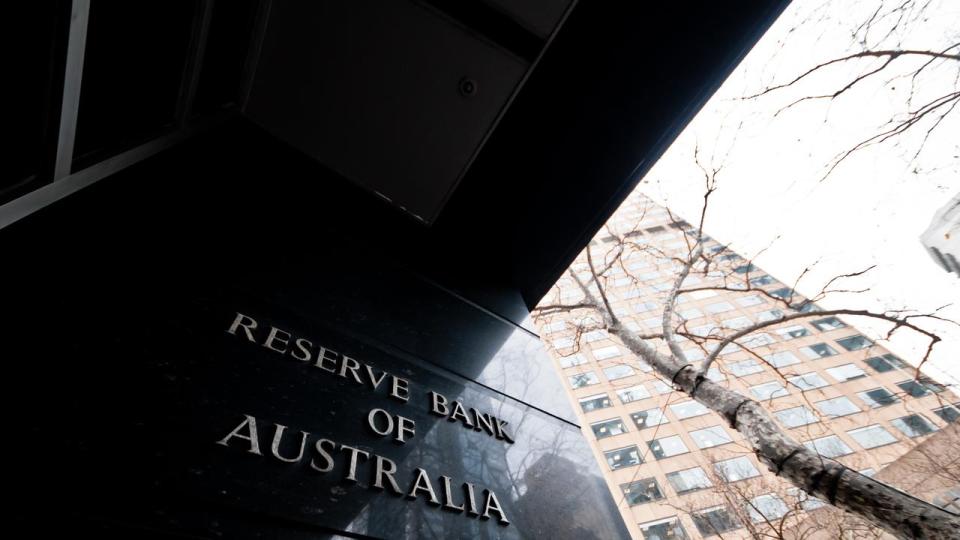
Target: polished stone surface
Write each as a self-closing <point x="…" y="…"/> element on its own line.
<point x="123" y="377"/>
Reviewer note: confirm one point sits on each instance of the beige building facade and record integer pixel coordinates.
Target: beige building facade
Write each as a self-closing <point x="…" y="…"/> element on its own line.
<point x="676" y="469"/>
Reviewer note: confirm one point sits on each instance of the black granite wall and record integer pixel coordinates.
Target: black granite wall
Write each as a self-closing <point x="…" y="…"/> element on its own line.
<point x="122" y="373"/>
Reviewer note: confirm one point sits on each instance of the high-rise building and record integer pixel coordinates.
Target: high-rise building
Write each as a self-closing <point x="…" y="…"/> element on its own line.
<point x="942" y="237"/>
<point x="675" y="468"/>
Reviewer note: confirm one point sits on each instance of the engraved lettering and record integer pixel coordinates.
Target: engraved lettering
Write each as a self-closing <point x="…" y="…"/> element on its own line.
<point x="400" y="389"/>
<point x="351" y="365"/>
<point x="250" y="423"/>
<point x="324" y="455"/>
<point x="372" y="421"/>
<point x="422" y="483"/>
<point x="274" y="336"/>
<point x="493" y="504"/>
<point x="374" y="382"/>
<point x="459" y="414"/>
<point x="303" y="346"/>
<point x="278" y="437"/>
<point x="245" y="322"/>
<point x="483" y="422"/>
<point x="327" y="356"/>
<point x="448" y="496"/>
<point x="382" y="472"/>
<point x="438" y="404"/>
<point x="352" y="469"/>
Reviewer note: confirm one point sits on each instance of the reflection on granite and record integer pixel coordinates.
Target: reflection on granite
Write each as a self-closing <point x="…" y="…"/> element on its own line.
<point x="522" y="369"/>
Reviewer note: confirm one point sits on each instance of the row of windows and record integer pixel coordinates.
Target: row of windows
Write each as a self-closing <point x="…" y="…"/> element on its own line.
<point x="718" y="520"/>
<point x="913" y="425"/>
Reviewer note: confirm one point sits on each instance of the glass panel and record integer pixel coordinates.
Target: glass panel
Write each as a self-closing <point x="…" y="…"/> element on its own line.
<point x="641" y="491"/>
<point x="710" y="437"/>
<point x="666" y="529"/>
<point x="583" y="379"/>
<point x="878" y="397"/>
<point x="830" y="446"/>
<point x="688" y="480"/>
<point x="914" y="425"/>
<point x="608" y="428"/>
<point x="736" y="469"/>
<point x="623" y="457"/>
<point x="688" y="409"/>
<point x="715" y="521"/>
<point x="667" y="447"/>
<point x="633" y="393"/>
<point x="839" y="406"/>
<point x="872" y="436"/>
<point x="648" y="418"/>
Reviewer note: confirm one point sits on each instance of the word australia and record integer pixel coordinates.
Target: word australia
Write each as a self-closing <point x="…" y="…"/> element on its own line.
<point x="325" y="454"/>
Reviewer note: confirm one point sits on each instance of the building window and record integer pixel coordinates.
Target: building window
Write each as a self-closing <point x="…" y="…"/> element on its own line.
<point x="719" y="307"/>
<point x="931" y="384"/>
<point x="744" y="368"/>
<point x="633" y="393"/>
<point x="761" y="280"/>
<point x="846" y="372"/>
<point x="667" y="447"/>
<point x="839" y="406"/>
<point x="661" y="387"/>
<point x="641" y="491"/>
<point x="869" y="472"/>
<point x="872" y="436"/>
<point x="770" y="315"/>
<point x="572" y="360"/>
<point x="710" y="437"/>
<point x="736" y="469"/>
<point x="595" y="402"/>
<point x="714" y="521"/>
<point x="878" y="397"/>
<point x="914" y="425"/>
<point x="736" y="323"/>
<point x="608" y="428"/>
<point x="793" y="332"/>
<point x="796" y="417"/>
<point x="768" y="390"/>
<point x="688" y="480"/>
<point x="643" y="307"/>
<point x="688" y="314"/>
<point x="747" y="301"/>
<point x="766" y="508"/>
<point x="913" y="388"/>
<point x="879" y="364"/>
<point x="817" y="351"/>
<point x="854" y="343"/>
<point x="781" y="359"/>
<point x="808" y="381"/>
<point x="649" y="418"/>
<point x="830" y="446"/>
<point x="948" y="413"/>
<point x="618" y="371"/>
<point x="663" y="529"/>
<point x="745" y="268"/>
<point x="758" y="340"/>
<point x="583" y="379"/>
<point x="623" y="457"/>
<point x="784" y="293"/>
<point x="804" y="500"/>
<point x="828" y="323"/>
<point x="606" y="352"/>
<point x="688" y="409"/>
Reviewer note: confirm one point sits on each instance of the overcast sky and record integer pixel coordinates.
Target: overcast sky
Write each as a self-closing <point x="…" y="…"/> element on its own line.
<point x="872" y="209"/>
